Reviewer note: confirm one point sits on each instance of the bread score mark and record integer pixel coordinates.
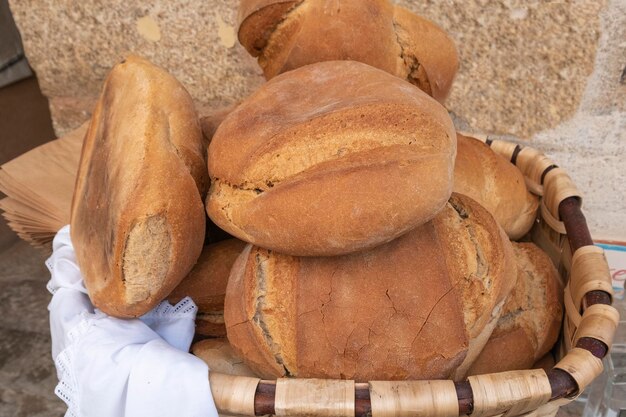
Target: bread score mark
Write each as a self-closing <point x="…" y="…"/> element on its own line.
<point x="259" y="308"/>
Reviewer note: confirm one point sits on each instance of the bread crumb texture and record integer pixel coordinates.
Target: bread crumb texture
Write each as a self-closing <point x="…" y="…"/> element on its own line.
<point x="146" y="258"/>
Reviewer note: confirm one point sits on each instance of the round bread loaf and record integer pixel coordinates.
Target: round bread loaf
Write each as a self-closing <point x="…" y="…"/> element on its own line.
<point x="330" y="159"/>
<point x="290" y="34"/>
<point x="496" y="184"/>
<point x="419" y="307"/>
<point x="531" y="318"/>
<point x="206" y="285"/>
<point x="137" y="220"/>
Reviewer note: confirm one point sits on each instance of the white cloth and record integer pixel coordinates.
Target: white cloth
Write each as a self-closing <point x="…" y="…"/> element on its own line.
<point x="113" y="367"/>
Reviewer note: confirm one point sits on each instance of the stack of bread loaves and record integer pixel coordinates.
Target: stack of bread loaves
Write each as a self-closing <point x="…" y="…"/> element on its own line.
<point x="372" y="241"/>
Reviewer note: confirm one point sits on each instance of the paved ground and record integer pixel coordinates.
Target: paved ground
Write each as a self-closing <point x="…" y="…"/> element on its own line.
<point x="27" y="374"/>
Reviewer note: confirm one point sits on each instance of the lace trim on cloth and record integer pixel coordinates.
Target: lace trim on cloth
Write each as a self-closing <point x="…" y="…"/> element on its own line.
<point x="50" y="265"/>
<point x="67" y="388"/>
<point x="183" y="309"/>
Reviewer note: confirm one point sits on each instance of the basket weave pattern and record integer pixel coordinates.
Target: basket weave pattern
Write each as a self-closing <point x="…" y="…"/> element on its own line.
<point x="588" y="329"/>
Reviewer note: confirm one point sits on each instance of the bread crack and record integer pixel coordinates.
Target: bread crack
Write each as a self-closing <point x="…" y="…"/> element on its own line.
<point x="259" y="307"/>
<point x="431" y="312"/>
<point x="416" y="74"/>
<point x="482" y="266"/>
<point x="266" y="40"/>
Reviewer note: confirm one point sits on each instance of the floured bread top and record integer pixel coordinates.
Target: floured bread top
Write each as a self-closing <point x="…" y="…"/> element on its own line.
<point x="137" y="216"/>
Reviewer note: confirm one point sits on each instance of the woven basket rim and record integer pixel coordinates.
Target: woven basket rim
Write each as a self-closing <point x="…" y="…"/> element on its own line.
<point x="561" y="210"/>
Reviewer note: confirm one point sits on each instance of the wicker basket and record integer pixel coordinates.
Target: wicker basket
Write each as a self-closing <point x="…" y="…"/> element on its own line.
<point x="588" y="330"/>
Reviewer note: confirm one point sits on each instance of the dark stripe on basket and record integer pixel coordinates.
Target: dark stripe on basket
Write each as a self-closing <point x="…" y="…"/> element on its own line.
<point x="597" y="348"/>
<point x="561" y="383"/>
<point x="545" y="171"/>
<point x="516" y="152"/>
<point x="362" y="402"/>
<point x="264" y="398"/>
<point x="466" y="397"/>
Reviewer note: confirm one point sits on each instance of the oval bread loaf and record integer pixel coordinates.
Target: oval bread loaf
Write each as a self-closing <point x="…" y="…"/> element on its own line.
<point x="290" y="34"/>
<point x="206" y="285"/>
<point x="419" y="307"/>
<point x="330" y="159"/>
<point x="137" y="220"/>
<point x="531" y="318"/>
<point x="496" y="184"/>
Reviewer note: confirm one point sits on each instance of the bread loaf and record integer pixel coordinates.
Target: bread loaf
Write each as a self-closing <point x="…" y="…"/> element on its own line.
<point x="496" y="184"/>
<point x="290" y="34"/>
<point x="418" y="307"/>
<point x="137" y="220"/>
<point x="329" y="159"/>
<point x="531" y="318"/>
<point x="206" y="285"/>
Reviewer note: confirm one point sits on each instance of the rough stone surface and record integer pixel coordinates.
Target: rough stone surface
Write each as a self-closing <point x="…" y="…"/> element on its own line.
<point x="27" y="373"/>
<point x="72" y="45"/>
<point x="70" y="112"/>
<point x="523" y="64"/>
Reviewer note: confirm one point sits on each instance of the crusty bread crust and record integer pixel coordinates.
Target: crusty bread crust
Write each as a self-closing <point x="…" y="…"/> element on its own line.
<point x="206" y="282"/>
<point x="137" y="235"/>
<point x="531" y="320"/>
<point x="429" y="54"/>
<point x="393" y="312"/>
<point x="286" y="35"/>
<point x="334" y="137"/>
<point x="206" y="285"/>
<point x="496" y="184"/>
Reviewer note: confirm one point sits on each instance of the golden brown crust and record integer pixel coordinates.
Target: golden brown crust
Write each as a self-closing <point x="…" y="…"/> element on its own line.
<point x="393" y="312"/>
<point x="531" y="320"/>
<point x="496" y="184"/>
<point x="337" y="136"/>
<point x="136" y="236"/>
<point x="257" y="20"/>
<point x="242" y="296"/>
<point x="290" y="34"/>
<point x="430" y="56"/>
<point x="483" y="260"/>
<point x="206" y="282"/>
<point x="316" y="31"/>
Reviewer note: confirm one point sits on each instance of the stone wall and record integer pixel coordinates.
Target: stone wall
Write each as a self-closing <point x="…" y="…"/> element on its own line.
<point x="546" y="72"/>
